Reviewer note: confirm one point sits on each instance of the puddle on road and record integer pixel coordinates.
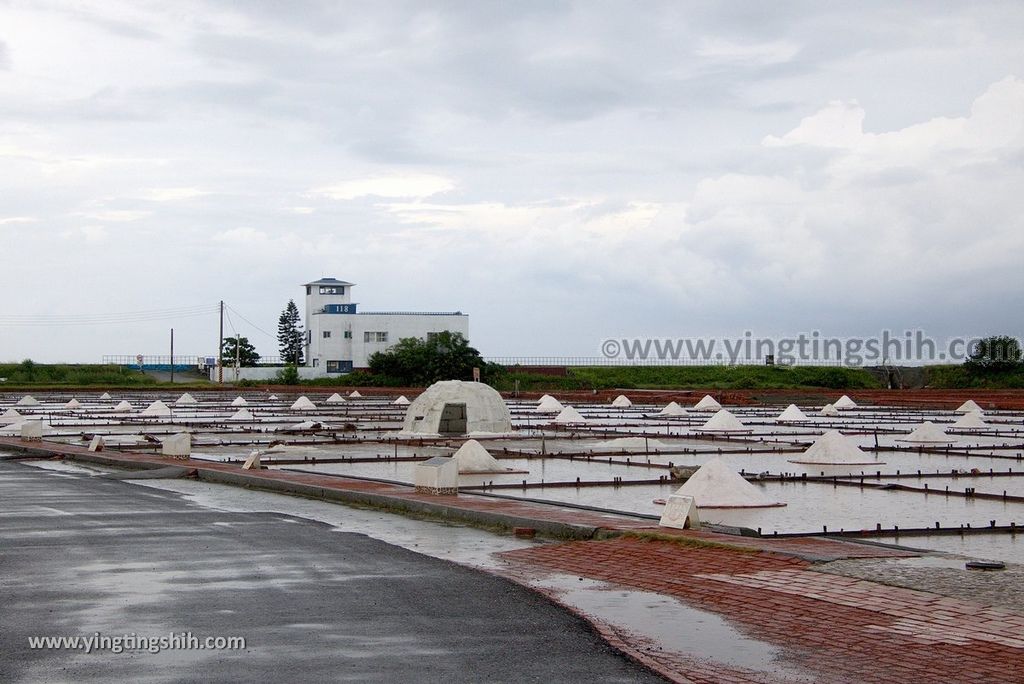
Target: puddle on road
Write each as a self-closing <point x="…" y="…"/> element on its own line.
<point x="672" y="625"/>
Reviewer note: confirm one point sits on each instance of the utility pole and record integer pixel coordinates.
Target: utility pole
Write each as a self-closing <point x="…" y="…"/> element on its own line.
<point x="220" y="346"/>
<point x="238" y="354"/>
<point x="172" y="355"/>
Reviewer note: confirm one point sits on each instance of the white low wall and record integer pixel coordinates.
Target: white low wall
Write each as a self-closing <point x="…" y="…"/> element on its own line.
<point x="266" y="373"/>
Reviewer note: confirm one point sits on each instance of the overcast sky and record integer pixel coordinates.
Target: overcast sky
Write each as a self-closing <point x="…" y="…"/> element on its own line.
<point x="563" y="172"/>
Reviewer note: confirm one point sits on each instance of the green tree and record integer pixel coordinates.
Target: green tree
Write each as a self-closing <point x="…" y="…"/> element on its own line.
<point x="242" y="349"/>
<point x="995" y="354"/>
<point x="289" y="335"/>
<point x="416" y="361"/>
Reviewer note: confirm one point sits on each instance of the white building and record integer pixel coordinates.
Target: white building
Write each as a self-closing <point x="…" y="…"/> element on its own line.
<point x="340" y="339"/>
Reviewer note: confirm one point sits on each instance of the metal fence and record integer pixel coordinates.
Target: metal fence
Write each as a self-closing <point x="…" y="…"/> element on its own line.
<point x="605" y="361"/>
<point x="154" y="360"/>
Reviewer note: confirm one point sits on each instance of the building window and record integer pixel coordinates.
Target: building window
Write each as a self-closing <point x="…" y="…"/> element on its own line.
<point x="340" y="290"/>
<point x="348" y="335"/>
<point x="316" y="362"/>
<point x="327" y="333"/>
<point x="339" y="366"/>
<point x="375" y="337"/>
<point x="309" y="290"/>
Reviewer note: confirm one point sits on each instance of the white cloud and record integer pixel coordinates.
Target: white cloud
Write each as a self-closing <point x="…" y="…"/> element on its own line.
<point x="395" y="185"/>
<point x="774" y="52"/>
<point x="171" y="194"/>
<point x="17" y="219"/>
<point x="116" y="215"/>
<point x="88" y="233"/>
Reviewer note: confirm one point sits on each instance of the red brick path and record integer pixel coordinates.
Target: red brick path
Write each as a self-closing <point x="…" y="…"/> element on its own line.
<point x="841" y="629"/>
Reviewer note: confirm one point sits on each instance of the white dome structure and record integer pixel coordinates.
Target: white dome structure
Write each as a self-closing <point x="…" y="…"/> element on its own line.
<point x="792" y="412"/>
<point x="335" y="399"/>
<point x="549" y="404"/>
<point x="969" y="406"/>
<point x="622" y="401"/>
<point x="456" y="407"/>
<point x="569" y="415"/>
<point x="834" y="448"/>
<point x="927" y="433"/>
<point x="472" y="457"/>
<point x="708" y="403"/>
<point x="723" y="421"/>
<point x="829" y="410"/>
<point x="844" y="402"/>
<point x="673" y="409"/>
<point x="716" y="485"/>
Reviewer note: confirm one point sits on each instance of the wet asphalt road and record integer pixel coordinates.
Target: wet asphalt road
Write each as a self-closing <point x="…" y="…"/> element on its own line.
<point x="80" y="555"/>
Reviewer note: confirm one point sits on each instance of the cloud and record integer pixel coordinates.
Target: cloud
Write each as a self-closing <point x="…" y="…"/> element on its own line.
<point x="396" y="185"/>
<point x="116" y="215"/>
<point x="774" y="52"/>
<point x="171" y="194"/>
<point x="17" y="219"/>
<point x="88" y="233"/>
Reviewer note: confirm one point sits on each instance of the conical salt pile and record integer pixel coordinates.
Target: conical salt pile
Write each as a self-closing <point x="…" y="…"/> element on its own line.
<point x="570" y="415"/>
<point x="241" y="414"/>
<point x="157" y="408"/>
<point x="185" y="398"/>
<point x="834" y="448"/>
<point x="792" y="412"/>
<point x="354" y="394"/>
<point x="401" y="401"/>
<point x="473" y="458"/>
<point x="708" y="403"/>
<point x="672" y="409"/>
<point x="970" y="421"/>
<point x="123" y="406"/>
<point x="829" y="410"/>
<point x="969" y="406"/>
<point x="927" y="433"/>
<point x="28" y="400"/>
<point x="845" y="402"/>
<point x="303" y="404"/>
<point x="549" y="405"/>
<point x="73" y="404"/>
<point x="716" y="485"/>
<point x="622" y="401"/>
<point x="10" y="416"/>
<point x="335" y="399"/>
<point x="239" y="401"/>
<point x="723" y="421"/>
<point x="105" y="397"/>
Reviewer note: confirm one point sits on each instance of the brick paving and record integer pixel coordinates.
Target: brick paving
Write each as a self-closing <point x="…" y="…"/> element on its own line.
<point x="843" y="629"/>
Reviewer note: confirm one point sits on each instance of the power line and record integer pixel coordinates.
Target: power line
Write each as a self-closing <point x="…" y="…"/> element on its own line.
<point x="107" y="318"/>
<point x="256" y="327"/>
